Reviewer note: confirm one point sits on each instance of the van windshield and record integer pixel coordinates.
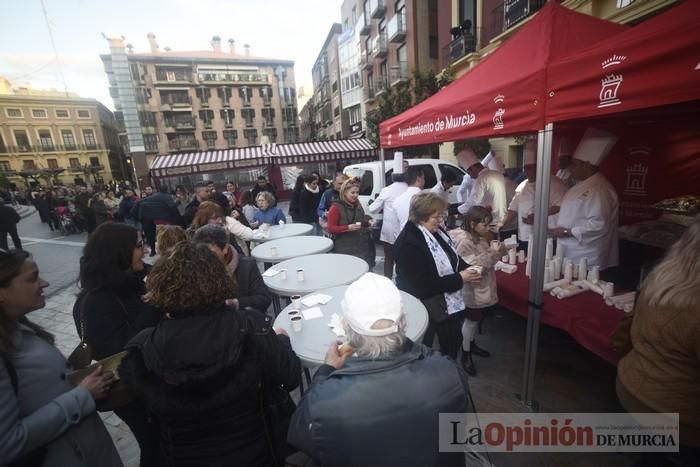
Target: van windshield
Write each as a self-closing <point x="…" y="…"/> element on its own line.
<point x="366" y="178"/>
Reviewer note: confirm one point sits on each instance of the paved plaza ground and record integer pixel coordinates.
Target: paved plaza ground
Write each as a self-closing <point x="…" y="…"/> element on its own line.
<point x="569" y="378"/>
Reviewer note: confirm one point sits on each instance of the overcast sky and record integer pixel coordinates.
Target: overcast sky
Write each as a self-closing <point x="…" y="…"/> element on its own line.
<point x="285" y="29"/>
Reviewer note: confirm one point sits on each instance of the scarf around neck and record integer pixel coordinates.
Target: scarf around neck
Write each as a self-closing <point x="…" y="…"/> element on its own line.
<point x="454" y="300"/>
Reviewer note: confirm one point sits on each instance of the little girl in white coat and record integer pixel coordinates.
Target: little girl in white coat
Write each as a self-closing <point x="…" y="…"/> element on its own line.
<point x="473" y="244"/>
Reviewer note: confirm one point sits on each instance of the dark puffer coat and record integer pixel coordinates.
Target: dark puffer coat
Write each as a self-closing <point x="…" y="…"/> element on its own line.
<point x="201" y="374"/>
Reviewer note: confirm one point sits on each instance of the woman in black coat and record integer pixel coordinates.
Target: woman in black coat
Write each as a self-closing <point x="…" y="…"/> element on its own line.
<point x="209" y="372"/>
<point x="294" y="201"/>
<point x="309" y="198"/>
<point x="110" y="310"/>
<point x="428" y="267"/>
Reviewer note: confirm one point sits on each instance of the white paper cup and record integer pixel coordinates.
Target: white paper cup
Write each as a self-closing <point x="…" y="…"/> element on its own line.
<point x="283" y="274"/>
<point x="296" y="323"/>
<point x="273" y="251"/>
<point x="296" y="301"/>
<point x="300" y="274"/>
<point x="521" y="256"/>
<point x="293" y="312"/>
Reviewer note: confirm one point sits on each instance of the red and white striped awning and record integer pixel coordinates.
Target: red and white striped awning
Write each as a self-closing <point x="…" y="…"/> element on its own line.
<point x="323" y="151"/>
<point x="186" y="163"/>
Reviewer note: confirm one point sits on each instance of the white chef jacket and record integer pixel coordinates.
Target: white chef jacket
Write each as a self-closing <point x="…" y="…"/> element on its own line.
<point x="524" y="204"/>
<point x="465" y="188"/>
<point x="385" y="201"/>
<point x="489" y="190"/>
<point x="402" y="206"/>
<point x="565" y="176"/>
<point x="590" y="211"/>
<point x="439" y="190"/>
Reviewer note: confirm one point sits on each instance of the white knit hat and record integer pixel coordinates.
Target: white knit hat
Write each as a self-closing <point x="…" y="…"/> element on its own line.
<point x="595" y="146"/>
<point x="467" y="158"/>
<point x="369" y="299"/>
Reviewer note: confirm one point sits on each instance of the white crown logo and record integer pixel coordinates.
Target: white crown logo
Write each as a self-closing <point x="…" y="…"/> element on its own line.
<point x="498" y="99"/>
<point x="614" y="60"/>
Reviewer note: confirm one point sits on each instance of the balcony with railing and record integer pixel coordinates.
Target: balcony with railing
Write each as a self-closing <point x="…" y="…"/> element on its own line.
<point x="53" y="148"/>
<point x="399" y="73"/>
<point x="458" y="48"/>
<point x="370" y="92"/>
<point x="377" y="8"/>
<point x="379" y="46"/>
<point x="396" y="29"/>
<point x="174" y="101"/>
<point x="173" y="77"/>
<point x="364" y="25"/>
<point x="232" y="77"/>
<point x="181" y="144"/>
<point x="515" y="11"/>
<point x="180" y="122"/>
<point x="366" y="62"/>
<point x="381" y="85"/>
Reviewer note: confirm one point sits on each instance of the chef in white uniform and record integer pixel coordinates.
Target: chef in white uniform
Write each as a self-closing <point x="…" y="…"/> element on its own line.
<point x="523" y="203"/>
<point x="493" y="162"/>
<point x="587" y="224"/>
<point x="489" y="186"/>
<point x="385" y="203"/>
<point x="564" y="160"/>
<point x="415" y="179"/>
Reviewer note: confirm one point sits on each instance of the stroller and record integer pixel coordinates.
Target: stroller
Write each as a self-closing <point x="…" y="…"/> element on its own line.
<point x="66" y="221"/>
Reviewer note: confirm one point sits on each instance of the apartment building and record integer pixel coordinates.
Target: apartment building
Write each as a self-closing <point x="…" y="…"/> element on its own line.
<point x="49" y="136"/>
<point x="325" y="107"/>
<point x="170" y="101"/>
<point x="398" y="37"/>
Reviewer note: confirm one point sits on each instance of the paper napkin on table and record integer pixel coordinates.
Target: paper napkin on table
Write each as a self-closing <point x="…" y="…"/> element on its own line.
<point x="336" y="325"/>
<point x="312" y="313"/>
<point x="315" y="299"/>
<point x="271" y="272"/>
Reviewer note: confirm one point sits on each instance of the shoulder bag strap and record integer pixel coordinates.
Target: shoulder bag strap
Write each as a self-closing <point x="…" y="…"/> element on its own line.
<point x="11" y="372"/>
<point x="83" y="303"/>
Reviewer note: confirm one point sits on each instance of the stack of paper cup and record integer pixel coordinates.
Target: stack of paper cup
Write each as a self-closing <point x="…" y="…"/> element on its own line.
<point x="595" y="274"/>
<point x="512" y="255"/>
<point x="521" y="256"/>
<point x="582" y="269"/>
<point x="608" y="289"/>
<point x="568" y="270"/>
<point x="549" y="249"/>
<point x="560" y="251"/>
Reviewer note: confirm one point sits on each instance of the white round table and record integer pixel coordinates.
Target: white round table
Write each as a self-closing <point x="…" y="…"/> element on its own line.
<point x="287" y="230"/>
<point x="320" y="272"/>
<point x="311" y="343"/>
<point x="291" y="247"/>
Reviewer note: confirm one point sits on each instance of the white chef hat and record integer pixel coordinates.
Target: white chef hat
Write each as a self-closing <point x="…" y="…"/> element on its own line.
<point x="530" y="152"/>
<point x="369" y="299"/>
<point x="493" y="162"/>
<point x="564" y="147"/>
<point x="595" y="146"/>
<point x="467" y="158"/>
<point x="398" y="162"/>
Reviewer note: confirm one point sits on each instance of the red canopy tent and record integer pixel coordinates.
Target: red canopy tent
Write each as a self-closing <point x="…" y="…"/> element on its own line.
<point x="505" y="93"/>
<point x="653" y="64"/>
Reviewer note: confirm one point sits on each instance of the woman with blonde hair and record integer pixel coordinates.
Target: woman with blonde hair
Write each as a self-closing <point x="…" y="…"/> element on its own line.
<point x="348" y="224"/>
<point x="473" y="243"/>
<point x="210" y="212"/>
<point x="206" y="370"/>
<point x="661" y="372"/>
<point x="167" y="236"/>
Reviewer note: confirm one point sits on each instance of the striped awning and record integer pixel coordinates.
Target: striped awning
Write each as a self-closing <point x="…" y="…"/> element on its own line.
<point x="209" y="161"/>
<point x="323" y="151"/>
<point x="280" y="154"/>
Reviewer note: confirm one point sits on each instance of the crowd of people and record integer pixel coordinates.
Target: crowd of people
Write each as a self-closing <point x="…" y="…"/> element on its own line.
<point x="208" y="376"/>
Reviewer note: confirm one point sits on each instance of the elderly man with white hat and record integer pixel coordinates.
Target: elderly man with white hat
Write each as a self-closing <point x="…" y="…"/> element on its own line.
<point x="523" y="203"/>
<point x="385" y="203"/>
<point x="379" y="406"/>
<point x="489" y="187"/>
<point x="587" y="224"/>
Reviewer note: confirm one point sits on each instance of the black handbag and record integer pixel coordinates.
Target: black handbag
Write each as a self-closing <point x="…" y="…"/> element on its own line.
<point x="437" y="308"/>
<point x="82" y="356"/>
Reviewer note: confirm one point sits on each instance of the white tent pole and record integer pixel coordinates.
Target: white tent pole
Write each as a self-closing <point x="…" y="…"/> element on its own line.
<point x="382" y="178"/>
<point x="538" y="244"/>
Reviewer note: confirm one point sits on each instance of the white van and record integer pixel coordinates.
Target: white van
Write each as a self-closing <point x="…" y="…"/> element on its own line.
<point x="370" y="184"/>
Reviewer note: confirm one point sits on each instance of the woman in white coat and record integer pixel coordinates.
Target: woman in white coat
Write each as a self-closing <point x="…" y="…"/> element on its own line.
<point x="44" y="421"/>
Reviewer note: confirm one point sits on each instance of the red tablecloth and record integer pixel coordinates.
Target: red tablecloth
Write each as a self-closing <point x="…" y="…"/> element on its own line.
<point x="585" y="317"/>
